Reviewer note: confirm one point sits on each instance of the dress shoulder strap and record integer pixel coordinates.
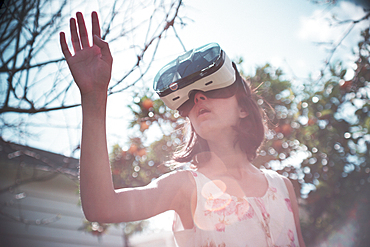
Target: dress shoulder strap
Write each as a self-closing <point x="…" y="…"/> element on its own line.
<point x="275" y="180"/>
<point x="205" y="186"/>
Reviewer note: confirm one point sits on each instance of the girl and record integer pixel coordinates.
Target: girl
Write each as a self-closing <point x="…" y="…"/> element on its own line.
<point x="226" y="201"/>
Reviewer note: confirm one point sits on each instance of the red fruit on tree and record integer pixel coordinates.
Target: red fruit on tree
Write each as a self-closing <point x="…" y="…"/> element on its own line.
<point x="147" y="104"/>
<point x="144" y="126"/>
<point x="132" y="149"/>
<point x="286" y="129"/>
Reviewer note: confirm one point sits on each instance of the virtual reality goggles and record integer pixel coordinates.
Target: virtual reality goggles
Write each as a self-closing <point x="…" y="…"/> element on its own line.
<point x="207" y="69"/>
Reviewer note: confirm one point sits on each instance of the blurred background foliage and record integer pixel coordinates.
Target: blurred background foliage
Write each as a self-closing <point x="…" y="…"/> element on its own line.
<point x="319" y="138"/>
<point x="319" y="128"/>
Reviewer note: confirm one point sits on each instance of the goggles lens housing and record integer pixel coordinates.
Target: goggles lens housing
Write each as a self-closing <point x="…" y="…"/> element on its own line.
<point x="205" y="69"/>
<point x="189" y="65"/>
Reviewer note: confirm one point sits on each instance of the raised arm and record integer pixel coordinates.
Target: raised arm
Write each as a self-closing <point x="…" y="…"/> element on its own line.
<point x="91" y="69"/>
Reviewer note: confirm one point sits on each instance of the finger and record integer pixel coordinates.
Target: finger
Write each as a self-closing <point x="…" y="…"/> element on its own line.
<point x="95" y="24"/>
<point x="104" y="47"/>
<point x="82" y="29"/>
<point x="74" y="36"/>
<point x="63" y="44"/>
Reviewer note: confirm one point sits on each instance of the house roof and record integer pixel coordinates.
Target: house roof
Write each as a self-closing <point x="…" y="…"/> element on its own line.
<point x="37" y="158"/>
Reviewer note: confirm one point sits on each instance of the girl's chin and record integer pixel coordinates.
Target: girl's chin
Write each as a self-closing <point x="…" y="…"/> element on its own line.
<point x="216" y="134"/>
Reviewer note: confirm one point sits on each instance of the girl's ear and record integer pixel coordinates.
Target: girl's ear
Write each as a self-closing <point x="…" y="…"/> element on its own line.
<point x="243" y="113"/>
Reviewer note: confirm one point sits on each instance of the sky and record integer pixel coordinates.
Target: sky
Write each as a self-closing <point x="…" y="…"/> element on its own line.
<point x="283" y="33"/>
<point x="279" y="32"/>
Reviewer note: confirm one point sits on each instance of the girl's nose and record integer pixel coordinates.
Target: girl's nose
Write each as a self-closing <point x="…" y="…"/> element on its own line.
<point x="199" y="96"/>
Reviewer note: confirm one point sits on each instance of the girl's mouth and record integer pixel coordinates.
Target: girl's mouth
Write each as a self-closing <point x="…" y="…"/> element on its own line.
<point x="203" y="111"/>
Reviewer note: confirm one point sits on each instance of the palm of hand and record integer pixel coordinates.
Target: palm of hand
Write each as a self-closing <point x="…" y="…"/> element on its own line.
<point x="91" y="66"/>
<point x="89" y="70"/>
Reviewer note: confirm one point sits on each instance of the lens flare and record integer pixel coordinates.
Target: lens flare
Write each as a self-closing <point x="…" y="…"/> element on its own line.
<point x="217" y="206"/>
<point x="213" y="189"/>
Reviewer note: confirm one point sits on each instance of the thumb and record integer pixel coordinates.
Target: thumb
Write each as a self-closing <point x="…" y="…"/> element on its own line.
<point x="104" y="47"/>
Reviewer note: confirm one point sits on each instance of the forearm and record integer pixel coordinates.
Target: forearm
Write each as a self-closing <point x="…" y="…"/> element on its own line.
<point x="96" y="186"/>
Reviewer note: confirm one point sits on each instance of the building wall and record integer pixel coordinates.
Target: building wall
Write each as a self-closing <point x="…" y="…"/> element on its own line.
<point x="45" y="200"/>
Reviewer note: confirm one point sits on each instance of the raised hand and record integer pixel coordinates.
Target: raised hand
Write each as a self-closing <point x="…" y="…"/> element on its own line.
<point x="91" y="66"/>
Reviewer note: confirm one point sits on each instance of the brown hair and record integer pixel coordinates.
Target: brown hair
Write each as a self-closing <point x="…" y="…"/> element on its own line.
<point x="251" y="129"/>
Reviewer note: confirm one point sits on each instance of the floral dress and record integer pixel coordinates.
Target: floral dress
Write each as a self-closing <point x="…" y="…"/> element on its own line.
<point x="223" y="220"/>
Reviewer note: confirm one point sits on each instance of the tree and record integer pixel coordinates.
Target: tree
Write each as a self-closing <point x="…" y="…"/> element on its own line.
<point x="336" y="134"/>
<point x="319" y="138"/>
<point x="363" y="3"/>
<point x="318" y="129"/>
<point x="35" y="79"/>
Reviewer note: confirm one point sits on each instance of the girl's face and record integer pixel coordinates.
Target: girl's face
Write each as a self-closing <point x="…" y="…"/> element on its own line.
<point x="215" y="117"/>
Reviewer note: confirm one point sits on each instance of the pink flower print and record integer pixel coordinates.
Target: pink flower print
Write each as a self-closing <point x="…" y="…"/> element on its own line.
<point x="291" y="238"/>
<point x="288" y="204"/>
<point x="244" y="210"/>
<point x="261" y="204"/>
<point x="219" y="204"/>
<point x="230" y="208"/>
<point x="272" y="192"/>
<point x="250" y="213"/>
<point x="207" y="212"/>
<point x="194" y="174"/>
<point x="273" y="189"/>
<point x="220" y="227"/>
<point x="266" y="215"/>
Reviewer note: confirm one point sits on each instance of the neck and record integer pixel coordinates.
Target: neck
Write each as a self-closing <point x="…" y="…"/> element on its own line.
<point x="230" y="158"/>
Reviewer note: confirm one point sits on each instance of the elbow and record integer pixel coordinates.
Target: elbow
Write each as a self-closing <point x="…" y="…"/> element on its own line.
<point x="93" y="214"/>
<point x="91" y="217"/>
<point x="98" y="217"/>
<point x="103" y="209"/>
<point x="96" y="209"/>
<point x="101" y="215"/>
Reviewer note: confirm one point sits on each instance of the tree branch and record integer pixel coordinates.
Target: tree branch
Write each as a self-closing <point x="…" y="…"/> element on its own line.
<point x="35" y="110"/>
<point x="28" y="31"/>
<point x="28" y="66"/>
<point x="168" y="24"/>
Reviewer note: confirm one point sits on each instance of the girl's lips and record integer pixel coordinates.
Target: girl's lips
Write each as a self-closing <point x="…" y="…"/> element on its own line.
<point x="203" y="110"/>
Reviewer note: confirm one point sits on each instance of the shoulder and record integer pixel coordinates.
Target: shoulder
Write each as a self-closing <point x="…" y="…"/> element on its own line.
<point x="276" y="178"/>
<point x="177" y="177"/>
<point x="183" y="188"/>
<point x="289" y="185"/>
<point x="179" y="180"/>
<point x="272" y="174"/>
